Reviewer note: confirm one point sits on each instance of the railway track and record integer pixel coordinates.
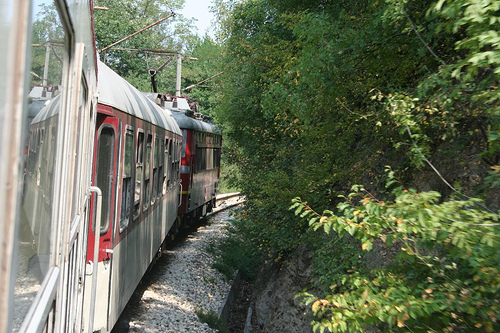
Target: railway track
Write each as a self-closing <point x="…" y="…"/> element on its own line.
<point x="226" y="201"/>
<point x="183" y="281"/>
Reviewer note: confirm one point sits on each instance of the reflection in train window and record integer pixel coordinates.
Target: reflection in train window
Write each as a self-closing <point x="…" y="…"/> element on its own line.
<point x="147" y="171"/>
<point x="36" y="231"/>
<point x="127" y="178"/>
<point x="170" y="163"/>
<point x="156" y="158"/>
<point x="104" y="167"/>
<point x="165" y="163"/>
<point x="138" y="173"/>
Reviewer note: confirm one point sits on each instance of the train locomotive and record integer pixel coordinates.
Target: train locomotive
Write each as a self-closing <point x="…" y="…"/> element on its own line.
<point x="156" y="169"/>
<point x="201" y="153"/>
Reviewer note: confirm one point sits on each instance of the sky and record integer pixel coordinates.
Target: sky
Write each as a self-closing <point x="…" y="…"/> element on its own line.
<point x="198" y="9"/>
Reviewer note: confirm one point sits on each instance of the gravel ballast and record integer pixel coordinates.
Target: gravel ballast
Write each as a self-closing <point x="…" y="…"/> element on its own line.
<point x="181" y="283"/>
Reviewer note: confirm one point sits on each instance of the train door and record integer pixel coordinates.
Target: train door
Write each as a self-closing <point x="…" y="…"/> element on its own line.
<point x="101" y="232"/>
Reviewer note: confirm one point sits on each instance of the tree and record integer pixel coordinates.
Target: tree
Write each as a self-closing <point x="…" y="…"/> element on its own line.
<point x="207" y="68"/>
<point x="48" y="34"/>
<point x="126" y="17"/>
<point x="323" y="95"/>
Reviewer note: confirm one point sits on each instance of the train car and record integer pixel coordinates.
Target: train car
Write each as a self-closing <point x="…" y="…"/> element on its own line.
<point x="201" y="153"/>
<point x="45" y="292"/>
<point x="137" y="167"/>
<point x="136" y="172"/>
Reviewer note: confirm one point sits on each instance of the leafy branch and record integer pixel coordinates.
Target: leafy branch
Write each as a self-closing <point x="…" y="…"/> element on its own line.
<point x="447" y="267"/>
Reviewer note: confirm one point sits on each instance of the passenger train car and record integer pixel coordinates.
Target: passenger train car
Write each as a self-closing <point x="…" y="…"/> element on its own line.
<point x="136" y="167"/>
<point x="137" y="163"/>
<point x="140" y="155"/>
<point x="100" y="191"/>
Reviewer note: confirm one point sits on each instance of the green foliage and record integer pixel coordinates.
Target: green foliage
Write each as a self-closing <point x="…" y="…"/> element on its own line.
<point x="229" y="176"/>
<point x="207" y="94"/>
<point x="126" y="17"/>
<point x="494" y="176"/>
<point x="47" y="32"/>
<point x="320" y="95"/>
<point x="302" y="114"/>
<point x="232" y="254"/>
<point x="212" y="320"/>
<point x="333" y="258"/>
<point x="446" y="276"/>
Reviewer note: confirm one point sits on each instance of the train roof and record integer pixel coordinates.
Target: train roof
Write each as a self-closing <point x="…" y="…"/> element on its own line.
<point x="183" y="115"/>
<point x="49" y="110"/>
<point x="34" y="107"/>
<point x="186" y="122"/>
<point x="116" y="92"/>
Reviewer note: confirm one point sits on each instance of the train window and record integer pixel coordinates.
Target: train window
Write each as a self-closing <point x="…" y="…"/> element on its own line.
<point x="138" y="173"/>
<point x="31" y="154"/>
<point x="174" y="162"/>
<point x="127" y="178"/>
<point x="37" y="137"/>
<point x="165" y="169"/>
<point x="104" y="165"/>
<point x="199" y="159"/>
<point x="170" y="163"/>
<point x="184" y="140"/>
<point x="161" y="178"/>
<point x="147" y="171"/>
<point x="210" y="159"/>
<point x="178" y="160"/>
<point x="207" y="158"/>
<point x="156" y="157"/>
<point x="128" y="153"/>
<point x="52" y="152"/>
<point x="216" y="158"/>
<point x="44" y="161"/>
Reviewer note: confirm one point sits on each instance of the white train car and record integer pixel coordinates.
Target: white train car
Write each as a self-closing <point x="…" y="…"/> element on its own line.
<point x="137" y="166"/>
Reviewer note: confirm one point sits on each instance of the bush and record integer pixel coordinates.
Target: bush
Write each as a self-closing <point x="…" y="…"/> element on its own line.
<point x="212" y="320"/>
<point x="233" y="254"/>
<point x="446" y="277"/>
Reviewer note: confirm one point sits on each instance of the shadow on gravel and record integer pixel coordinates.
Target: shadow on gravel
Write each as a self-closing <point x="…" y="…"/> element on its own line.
<point x="152" y="275"/>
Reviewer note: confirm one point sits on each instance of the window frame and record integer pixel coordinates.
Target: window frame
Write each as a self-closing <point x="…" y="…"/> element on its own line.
<point x="124" y="217"/>
<point x="139" y="163"/>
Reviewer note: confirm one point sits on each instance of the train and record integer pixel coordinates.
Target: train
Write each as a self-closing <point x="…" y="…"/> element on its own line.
<point x="201" y="155"/>
<point x="157" y="170"/>
<point x="107" y="176"/>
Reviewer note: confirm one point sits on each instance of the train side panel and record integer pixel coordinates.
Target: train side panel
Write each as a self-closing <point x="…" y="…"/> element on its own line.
<point x="201" y="165"/>
<point x="137" y="170"/>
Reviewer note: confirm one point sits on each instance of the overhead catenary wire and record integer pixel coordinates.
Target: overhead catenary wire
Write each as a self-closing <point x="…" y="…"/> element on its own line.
<point x="137" y="32"/>
<point x="197" y="84"/>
